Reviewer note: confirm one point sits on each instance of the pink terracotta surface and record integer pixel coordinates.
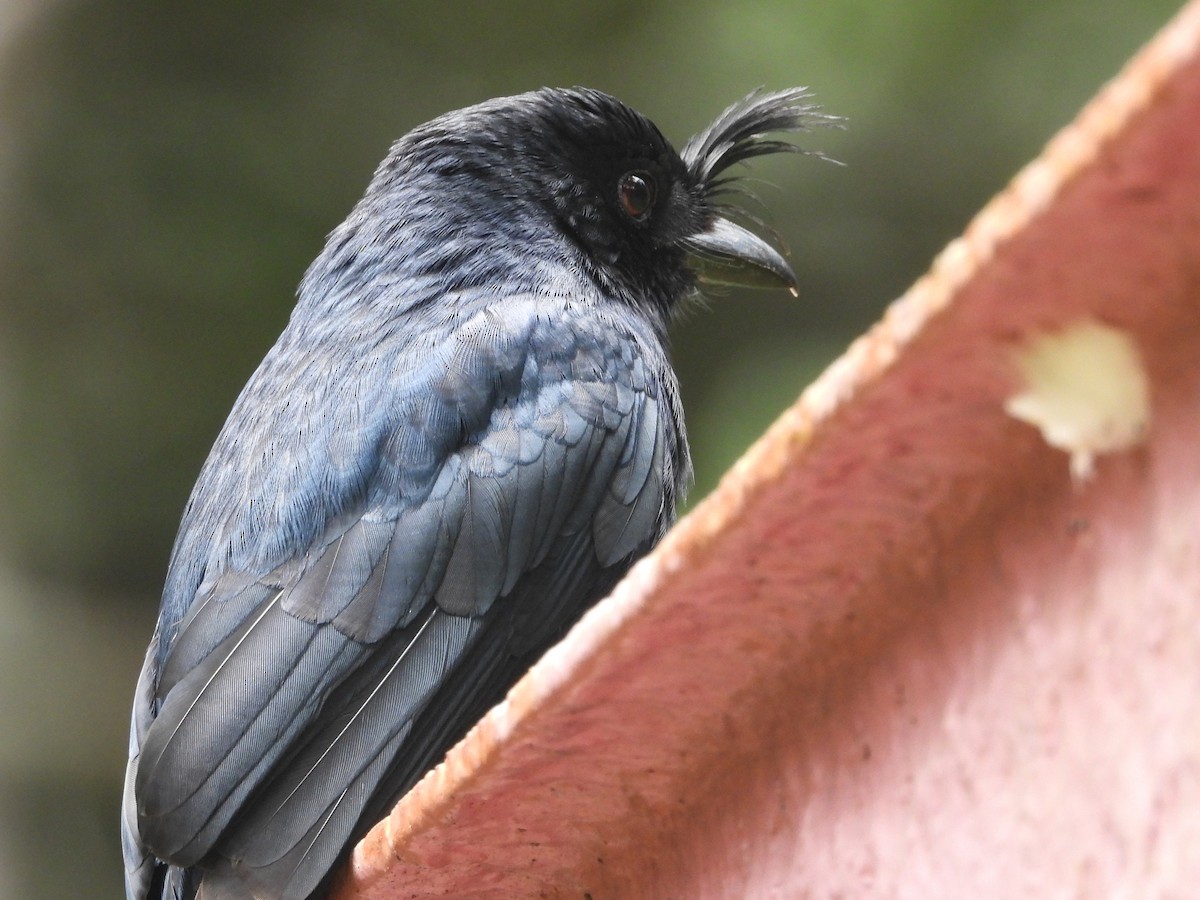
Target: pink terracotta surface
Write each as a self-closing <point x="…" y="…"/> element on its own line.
<point x="899" y="652"/>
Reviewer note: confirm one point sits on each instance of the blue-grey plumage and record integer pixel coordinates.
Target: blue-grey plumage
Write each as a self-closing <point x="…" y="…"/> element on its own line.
<point x="467" y="432"/>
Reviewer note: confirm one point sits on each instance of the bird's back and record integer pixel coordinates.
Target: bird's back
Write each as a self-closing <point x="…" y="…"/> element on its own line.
<point x="478" y="491"/>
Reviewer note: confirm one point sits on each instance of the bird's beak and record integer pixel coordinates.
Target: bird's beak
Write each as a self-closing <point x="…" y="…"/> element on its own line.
<point x="725" y="253"/>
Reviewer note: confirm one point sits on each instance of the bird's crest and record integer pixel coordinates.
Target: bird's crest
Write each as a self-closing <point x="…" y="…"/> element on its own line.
<point x="740" y="133"/>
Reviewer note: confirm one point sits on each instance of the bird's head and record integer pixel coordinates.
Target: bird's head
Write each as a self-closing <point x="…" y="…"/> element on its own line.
<point x="510" y="190"/>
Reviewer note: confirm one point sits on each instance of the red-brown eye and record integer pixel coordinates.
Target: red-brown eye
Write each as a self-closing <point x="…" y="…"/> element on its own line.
<point x="636" y="192"/>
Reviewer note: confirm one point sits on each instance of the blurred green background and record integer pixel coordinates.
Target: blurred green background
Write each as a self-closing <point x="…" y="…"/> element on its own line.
<point x="167" y="171"/>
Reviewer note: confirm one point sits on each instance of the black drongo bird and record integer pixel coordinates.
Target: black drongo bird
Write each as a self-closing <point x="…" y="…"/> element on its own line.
<point x="467" y="432"/>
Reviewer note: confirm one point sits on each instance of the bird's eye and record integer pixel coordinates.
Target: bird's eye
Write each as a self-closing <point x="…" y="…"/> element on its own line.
<point x="636" y="193"/>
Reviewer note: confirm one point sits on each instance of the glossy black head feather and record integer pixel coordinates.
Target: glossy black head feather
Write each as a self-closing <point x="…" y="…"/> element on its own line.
<point x="741" y="133"/>
<point x="480" y="192"/>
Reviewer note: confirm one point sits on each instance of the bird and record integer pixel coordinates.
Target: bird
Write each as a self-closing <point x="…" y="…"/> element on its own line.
<point x="467" y="432"/>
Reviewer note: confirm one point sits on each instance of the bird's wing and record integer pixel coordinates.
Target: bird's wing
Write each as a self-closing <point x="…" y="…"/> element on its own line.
<point x="287" y="699"/>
